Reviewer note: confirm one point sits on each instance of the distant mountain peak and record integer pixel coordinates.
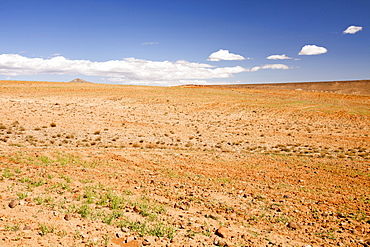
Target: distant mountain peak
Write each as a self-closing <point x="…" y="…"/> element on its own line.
<point x="79" y="80"/>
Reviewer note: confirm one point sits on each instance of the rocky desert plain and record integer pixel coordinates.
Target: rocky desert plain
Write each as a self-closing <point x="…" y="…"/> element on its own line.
<point x="86" y="164"/>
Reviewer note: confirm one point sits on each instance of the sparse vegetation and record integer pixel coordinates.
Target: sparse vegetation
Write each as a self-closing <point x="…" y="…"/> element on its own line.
<point x="262" y="164"/>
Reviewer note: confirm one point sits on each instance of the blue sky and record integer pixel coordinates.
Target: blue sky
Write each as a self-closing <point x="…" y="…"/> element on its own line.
<point x="180" y="42"/>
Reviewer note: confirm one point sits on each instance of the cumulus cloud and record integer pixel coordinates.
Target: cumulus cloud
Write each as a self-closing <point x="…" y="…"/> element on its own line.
<point x="270" y="66"/>
<point x="224" y="55"/>
<point x="312" y="50"/>
<point x="278" y="57"/>
<point x="131" y="70"/>
<point x="352" y="30"/>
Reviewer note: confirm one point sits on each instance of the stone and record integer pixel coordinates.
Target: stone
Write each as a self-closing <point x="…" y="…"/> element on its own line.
<point x="222" y="232"/>
<point x="293" y="225"/>
<point x="146" y="242"/>
<point x="26" y="227"/>
<point x="214" y="217"/>
<point x="67" y="217"/>
<point x="136" y="209"/>
<point x="125" y="229"/>
<point x="13" y="203"/>
<point x="149" y="240"/>
<point x="220" y="242"/>
<point x="129" y="239"/>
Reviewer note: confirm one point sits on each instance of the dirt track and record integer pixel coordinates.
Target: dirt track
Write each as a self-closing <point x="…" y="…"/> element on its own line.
<point x="96" y="165"/>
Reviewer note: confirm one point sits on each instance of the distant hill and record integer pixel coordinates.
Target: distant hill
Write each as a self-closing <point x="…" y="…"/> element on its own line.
<point x="346" y="87"/>
<point x="79" y="80"/>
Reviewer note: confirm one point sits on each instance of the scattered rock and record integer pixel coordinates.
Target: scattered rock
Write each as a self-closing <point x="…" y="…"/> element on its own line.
<point x="150" y="240"/>
<point x="26" y="227"/>
<point x="136" y="209"/>
<point x="212" y="216"/>
<point x="220" y="242"/>
<point x="129" y="239"/>
<point x="67" y="217"/>
<point x="146" y="242"/>
<point x="222" y="232"/>
<point x="293" y="225"/>
<point x="13" y="203"/>
<point x="125" y="229"/>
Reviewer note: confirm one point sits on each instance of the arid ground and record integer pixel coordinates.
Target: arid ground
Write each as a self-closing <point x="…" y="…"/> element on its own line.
<point x="85" y="164"/>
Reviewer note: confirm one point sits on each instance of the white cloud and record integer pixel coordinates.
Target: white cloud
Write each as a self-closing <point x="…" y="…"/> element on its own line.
<point x="270" y="66"/>
<point x="150" y="43"/>
<point x="130" y="70"/>
<point x="352" y="29"/>
<point x="224" y="55"/>
<point x="278" y="57"/>
<point x="312" y="50"/>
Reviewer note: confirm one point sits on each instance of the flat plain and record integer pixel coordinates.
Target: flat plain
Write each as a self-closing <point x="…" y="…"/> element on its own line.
<point x="84" y="164"/>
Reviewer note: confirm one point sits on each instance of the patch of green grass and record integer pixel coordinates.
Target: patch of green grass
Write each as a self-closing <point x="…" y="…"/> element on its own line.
<point x="11" y="228"/>
<point x="158" y="229"/>
<point x="37" y="183"/>
<point x="149" y="209"/>
<point x="161" y="229"/>
<point x="254" y="218"/>
<point x="207" y="232"/>
<point x="114" y="201"/>
<point x="46" y="229"/>
<point x="127" y="192"/>
<point x="22" y="195"/>
<point x="86" y="181"/>
<point x="223" y="180"/>
<point x="77" y="235"/>
<point x="281" y="219"/>
<point x="62" y="186"/>
<point x="17" y="170"/>
<point x="62" y="233"/>
<point x="7" y="173"/>
<point x="108" y="219"/>
<point x="45" y="160"/>
<point x="90" y="194"/>
<point x="327" y="234"/>
<point x="25" y="180"/>
<point x="360" y="216"/>
<point x="38" y="200"/>
<point x="105" y="240"/>
<point x="66" y="178"/>
<point x="84" y="211"/>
